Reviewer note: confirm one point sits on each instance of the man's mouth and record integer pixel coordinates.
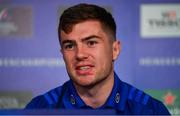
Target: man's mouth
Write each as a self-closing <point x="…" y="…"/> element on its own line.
<point x="84" y="70"/>
<point x="84" y="67"/>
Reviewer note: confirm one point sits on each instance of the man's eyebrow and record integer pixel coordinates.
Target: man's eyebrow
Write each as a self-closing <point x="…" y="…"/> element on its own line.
<point x="90" y="37"/>
<point x="67" y="41"/>
<point x="83" y="39"/>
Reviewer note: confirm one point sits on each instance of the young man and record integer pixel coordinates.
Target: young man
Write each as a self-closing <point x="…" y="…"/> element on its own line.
<point x="87" y="34"/>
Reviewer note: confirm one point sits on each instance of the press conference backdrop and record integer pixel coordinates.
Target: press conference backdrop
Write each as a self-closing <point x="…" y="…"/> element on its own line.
<point x="31" y="62"/>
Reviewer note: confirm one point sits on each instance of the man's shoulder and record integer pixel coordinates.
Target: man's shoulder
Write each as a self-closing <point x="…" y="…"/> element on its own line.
<point x="139" y="101"/>
<point x="49" y="99"/>
<point x="136" y="95"/>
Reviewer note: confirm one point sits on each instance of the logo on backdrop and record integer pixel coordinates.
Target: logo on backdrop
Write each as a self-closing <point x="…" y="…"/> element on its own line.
<point x="160" y="21"/>
<point x="15" y="21"/>
<point x="168" y="20"/>
<point x="170" y="98"/>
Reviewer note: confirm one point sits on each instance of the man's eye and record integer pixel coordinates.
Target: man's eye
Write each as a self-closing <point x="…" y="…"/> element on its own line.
<point x="91" y="43"/>
<point x="69" y="46"/>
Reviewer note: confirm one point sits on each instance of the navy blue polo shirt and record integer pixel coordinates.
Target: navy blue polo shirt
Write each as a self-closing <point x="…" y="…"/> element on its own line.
<point x="124" y="98"/>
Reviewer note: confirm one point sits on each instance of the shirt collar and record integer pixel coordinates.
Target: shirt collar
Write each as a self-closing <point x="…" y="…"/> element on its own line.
<point x="118" y="96"/>
<point x="116" y="100"/>
<point x="123" y="90"/>
<point x="71" y="99"/>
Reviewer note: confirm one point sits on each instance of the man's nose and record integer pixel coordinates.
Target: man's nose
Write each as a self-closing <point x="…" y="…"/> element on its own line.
<point x="81" y="53"/>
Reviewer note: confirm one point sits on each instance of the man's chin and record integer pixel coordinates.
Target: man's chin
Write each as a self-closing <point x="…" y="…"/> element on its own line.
<point x="85" y="84"/>
<point x="84" y="80"/>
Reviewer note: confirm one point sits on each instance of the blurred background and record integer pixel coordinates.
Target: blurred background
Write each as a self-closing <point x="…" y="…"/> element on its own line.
<point x="31" y="63"/>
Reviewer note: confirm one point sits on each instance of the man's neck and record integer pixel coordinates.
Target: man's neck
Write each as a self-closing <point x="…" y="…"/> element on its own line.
<point x="97" y="95"/>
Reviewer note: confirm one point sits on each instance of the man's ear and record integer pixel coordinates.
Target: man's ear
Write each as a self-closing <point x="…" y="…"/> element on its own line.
<point x="116" y="49"/>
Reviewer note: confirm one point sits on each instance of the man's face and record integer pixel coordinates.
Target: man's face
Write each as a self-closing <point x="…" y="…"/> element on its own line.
<point x="88" y="53"/>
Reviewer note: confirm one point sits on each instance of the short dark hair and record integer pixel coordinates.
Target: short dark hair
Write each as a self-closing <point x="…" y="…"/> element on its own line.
<point x="83" y="12"/>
